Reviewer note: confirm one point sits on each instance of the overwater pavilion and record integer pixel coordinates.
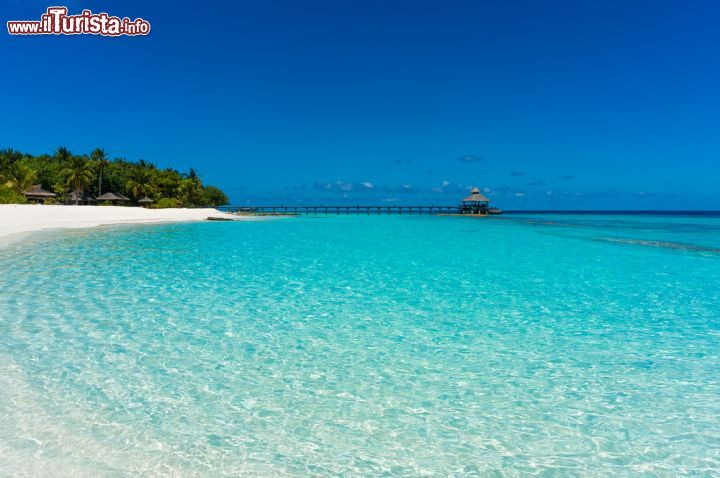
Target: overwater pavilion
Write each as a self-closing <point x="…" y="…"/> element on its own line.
<point x="38" y="195"/>
<point x="475" y="203"/>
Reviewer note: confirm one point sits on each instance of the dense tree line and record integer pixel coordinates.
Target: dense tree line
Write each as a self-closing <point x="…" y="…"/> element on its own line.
<point x="64" y="172"/>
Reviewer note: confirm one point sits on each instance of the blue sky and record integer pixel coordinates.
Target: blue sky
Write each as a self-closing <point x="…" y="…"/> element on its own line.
<point x="552" y="104"/>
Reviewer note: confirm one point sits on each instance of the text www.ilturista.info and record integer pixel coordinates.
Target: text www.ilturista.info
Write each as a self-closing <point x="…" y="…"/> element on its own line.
<point x="57" y="22"/>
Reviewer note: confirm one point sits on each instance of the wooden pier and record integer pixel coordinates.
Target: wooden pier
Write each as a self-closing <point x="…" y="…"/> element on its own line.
<point x="337" y="210"/>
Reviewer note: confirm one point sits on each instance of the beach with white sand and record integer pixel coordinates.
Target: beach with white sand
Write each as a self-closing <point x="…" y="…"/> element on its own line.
<point x="25" y="218"/>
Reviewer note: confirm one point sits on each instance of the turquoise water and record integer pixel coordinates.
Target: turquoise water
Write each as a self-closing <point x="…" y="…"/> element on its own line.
<point x="364" y="346"/>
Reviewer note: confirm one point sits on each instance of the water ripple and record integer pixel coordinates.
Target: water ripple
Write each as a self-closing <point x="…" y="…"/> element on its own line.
<point x="356" y="347"/>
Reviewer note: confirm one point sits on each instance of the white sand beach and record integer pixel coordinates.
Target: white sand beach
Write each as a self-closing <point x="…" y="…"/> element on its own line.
<point x="24" y="218"/>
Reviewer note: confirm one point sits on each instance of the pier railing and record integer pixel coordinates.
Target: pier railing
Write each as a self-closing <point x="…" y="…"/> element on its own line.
<point x="358" y="209"/>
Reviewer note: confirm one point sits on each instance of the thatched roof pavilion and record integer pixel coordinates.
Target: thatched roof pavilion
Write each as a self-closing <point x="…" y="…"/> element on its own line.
<point x="36" y="193"/>
<point x="475" y="203"/>
<point x="476" y="197"/>
<point x="76" y="197"/>
<point x="146" y="201"/>
<point x="112" y="197"/>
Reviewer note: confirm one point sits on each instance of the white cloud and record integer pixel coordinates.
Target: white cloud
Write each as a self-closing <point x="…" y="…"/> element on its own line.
<point x="446" y="184"/>
<point x="519" y="194"/>
<point x="344" y="186"/>
<point x="368" y="185"/>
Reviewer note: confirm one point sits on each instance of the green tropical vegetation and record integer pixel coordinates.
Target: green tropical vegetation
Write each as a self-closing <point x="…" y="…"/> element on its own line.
<point x="78" y="173"/>
<point x="20" y="178"/>
<point x="95" y="174"/>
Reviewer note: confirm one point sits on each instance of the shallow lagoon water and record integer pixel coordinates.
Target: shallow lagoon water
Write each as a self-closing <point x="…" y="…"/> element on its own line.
<point x="364" y="346"/>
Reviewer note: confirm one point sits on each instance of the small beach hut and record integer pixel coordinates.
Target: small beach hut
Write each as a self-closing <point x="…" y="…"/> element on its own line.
<point x="145" y="202"/>
<point x="38" y="195"/>
<point x="475" y="203"/>
<point x="112" y="198"/>
<point x="76" y="197"/>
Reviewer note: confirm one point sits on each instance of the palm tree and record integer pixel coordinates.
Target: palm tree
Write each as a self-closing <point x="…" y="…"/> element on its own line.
<point x="145" y="164"/>
<point x="21" y="177"/>
<point x="63" y="154"/>
<point x="188" y="192"/>
<point x="101" y="160"/>
<point x="139" y="183"/>
<point x="78" y="172"/>
<point x="8" y="157"/>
